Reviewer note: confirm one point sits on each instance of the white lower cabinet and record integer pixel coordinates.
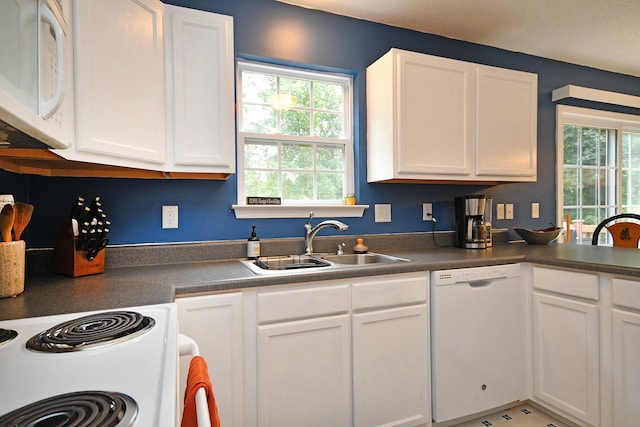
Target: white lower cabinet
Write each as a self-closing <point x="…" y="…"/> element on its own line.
<point x="391" y="352"/>
<point x="566" y="342"/>
<point x="340" y="353"/>
<point x="304" y="373"/>
<point x="626" y="352"/>
<point x="215" y="322"/>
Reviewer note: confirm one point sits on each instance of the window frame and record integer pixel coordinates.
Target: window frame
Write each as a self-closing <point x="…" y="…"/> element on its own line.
<point x="289" y="207"/>
<point x="587" y="117"/>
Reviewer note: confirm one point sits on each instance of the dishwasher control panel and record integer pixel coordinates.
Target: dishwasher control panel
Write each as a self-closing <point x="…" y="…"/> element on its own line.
<point x="463" y="275"/>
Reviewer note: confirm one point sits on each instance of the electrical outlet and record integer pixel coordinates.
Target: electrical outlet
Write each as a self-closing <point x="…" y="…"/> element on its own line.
<point x="535" y="210"/>
<point x="169" y="217"/>
<point x="509" y="211"/>
<point x="383" y="213"/>
<point x="427" y="212"/>
<point x="500" y="211"/>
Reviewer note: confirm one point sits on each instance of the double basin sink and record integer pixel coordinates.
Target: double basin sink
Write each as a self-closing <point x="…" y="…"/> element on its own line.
<point x="304" y="263"/>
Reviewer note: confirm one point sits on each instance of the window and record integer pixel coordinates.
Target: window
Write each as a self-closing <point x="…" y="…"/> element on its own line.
<point x="598" y="168"/>
<point x="295" y="135"/>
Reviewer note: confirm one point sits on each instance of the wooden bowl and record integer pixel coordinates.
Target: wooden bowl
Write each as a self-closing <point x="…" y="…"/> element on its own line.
<point x="539" y="237"/>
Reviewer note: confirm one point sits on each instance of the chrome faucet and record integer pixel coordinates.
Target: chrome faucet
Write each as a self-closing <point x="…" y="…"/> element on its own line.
<point x="310" y="232"/>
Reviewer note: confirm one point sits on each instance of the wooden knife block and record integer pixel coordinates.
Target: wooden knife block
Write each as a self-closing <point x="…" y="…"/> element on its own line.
<point x="72" y="262"/>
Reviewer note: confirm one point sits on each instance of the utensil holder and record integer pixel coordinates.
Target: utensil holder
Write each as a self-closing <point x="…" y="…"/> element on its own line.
<point x="12" y="256"/>
<point x="72" y="262"/>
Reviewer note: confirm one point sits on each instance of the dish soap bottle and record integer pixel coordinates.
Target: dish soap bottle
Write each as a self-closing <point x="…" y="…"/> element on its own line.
<point x="253" y="245"/>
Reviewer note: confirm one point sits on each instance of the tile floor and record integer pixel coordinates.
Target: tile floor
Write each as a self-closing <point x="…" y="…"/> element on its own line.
<point x="519" y="416"/>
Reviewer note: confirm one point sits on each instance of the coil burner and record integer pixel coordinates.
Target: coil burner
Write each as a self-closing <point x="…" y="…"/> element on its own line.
<point x="92" y="331"/>
<point x="7" y="335"/>
<point x="81" y="409"/>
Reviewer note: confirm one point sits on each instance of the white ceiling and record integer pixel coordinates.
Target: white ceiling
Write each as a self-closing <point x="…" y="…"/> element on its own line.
<point x="603" y="34"/>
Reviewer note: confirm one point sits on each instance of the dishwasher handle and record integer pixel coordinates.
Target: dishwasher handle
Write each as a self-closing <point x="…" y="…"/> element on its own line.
<point x="481" y="283"/>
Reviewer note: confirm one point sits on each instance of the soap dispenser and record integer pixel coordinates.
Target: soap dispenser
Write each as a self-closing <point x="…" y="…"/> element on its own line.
<point x="253" y="245"/>
<point x="360" y="247"/>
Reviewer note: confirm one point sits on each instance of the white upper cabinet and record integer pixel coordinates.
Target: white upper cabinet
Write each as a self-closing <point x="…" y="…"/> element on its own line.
<point x="154" y="87"/>
<point x="438" y="119"/>
<point x="506" y="124"/>
<point x="120" y="83"/>
<point x="200" y="99"/>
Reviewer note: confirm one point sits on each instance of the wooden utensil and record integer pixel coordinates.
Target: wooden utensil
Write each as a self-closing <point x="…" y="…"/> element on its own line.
<point x="7" y="216"/>
<point x="23" y="213"/>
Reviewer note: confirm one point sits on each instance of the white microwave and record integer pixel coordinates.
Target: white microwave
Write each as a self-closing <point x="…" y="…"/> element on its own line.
<point x="36" y="96"/>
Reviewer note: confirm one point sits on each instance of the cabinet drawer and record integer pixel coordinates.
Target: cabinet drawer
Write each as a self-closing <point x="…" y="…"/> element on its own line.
<point x="390" y="291"/>
<point x="571" y="283"/>
<point x="626" y="293"/>
<point x="302" y="303"/>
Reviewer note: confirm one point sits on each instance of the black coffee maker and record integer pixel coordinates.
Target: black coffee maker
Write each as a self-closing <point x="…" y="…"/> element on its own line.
<point x="473" y="222"/>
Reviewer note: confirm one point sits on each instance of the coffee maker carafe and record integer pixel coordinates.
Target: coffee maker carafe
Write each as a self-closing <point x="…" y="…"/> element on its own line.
<point x="473" y="227"/>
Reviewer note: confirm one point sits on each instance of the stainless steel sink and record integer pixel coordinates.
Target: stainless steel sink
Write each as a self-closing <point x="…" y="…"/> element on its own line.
<point x="296" y="264"/>
<point x="290" y="262"/>
<point x="356" y="259"/>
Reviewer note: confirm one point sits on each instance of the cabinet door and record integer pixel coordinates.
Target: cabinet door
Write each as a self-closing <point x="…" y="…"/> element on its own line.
<point x="120" y="82"/>
<point x="303" y="373"/>
<point x="566" y="355"/>
<point x="215" y="323"/>
<point x="390" y="367"/>
<point x="434" y="117"/>
<point x="200" y="90"/>
<point x="626" y="369"/>
<point x="506" y="123"/>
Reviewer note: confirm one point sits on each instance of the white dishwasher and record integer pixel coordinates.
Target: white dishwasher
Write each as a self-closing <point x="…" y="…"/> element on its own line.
<point x="476" y="340"/>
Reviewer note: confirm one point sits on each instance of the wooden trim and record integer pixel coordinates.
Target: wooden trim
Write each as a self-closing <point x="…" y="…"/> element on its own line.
<point x="597" y="95"/>
<point x="46" y="163"/>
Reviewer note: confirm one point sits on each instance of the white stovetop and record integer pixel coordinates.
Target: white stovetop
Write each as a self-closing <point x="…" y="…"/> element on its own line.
<point x="143" y="368"/>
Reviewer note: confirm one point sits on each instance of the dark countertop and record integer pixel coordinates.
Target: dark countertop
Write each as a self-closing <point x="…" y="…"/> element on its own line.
<point x="135" y="286"/>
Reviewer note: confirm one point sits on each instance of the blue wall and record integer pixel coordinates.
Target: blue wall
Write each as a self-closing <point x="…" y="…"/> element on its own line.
<point x="286" y="34"/>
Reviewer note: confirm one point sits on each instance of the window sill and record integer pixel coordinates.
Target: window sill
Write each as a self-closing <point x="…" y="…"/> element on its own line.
<point x="284" y="211"/>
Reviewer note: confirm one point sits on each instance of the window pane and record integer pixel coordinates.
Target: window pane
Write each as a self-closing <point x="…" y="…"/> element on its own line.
<point x="603" y="192"/>
<point x="626" y="193"/>
<point x="295" y="122"/>
<point x="570" y="177"/>
<point x="328" y="125"/>
<point x="257" y="88"/>
<point x="330" y="157"/>
<point x="634" y="191"/>
<point x="328" y="96"/>
<point x="570" y="145"/>
<point x="602" y="148"/>
<point x="590" y="138"/>
<point x="330" y="186"/>
<point x="260" y="155"/>
<point x="590" y="216"/>
<point x="297" y="186"/>
<point x="261" y="184"/>
<point x="635" y="149"/>
<point x="297" y="156"/>
<point x="589" y="187"/>
<point x="300" y="89"/>
<point x="626" y="143"/>
<point x="258" y="119"/>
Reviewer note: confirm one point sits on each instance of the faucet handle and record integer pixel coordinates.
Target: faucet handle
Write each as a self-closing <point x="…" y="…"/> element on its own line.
<point x="310" y="217"/>
<point x="340" y="251"/>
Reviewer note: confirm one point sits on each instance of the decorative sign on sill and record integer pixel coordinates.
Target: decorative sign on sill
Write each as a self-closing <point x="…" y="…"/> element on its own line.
<point x="264" y="201"/>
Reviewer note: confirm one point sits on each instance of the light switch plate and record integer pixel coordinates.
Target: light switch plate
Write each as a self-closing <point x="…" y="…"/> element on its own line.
<point x="383" y="213"/>
<point x="535" y="210"/>
<point x="500" y="211"/>
<point x="509" y="211"/>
